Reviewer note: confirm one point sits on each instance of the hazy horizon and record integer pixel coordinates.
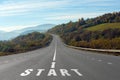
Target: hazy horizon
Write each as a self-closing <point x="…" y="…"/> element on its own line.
<point x="11" y="29"/>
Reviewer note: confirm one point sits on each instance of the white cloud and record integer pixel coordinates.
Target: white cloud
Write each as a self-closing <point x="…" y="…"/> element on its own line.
<point x="14" y="8"/>
<point x="92" y="3"/>
<point x="72" y="16"/>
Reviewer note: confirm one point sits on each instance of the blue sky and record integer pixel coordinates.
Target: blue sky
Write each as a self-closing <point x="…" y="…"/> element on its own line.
<point x="18" y="14"/>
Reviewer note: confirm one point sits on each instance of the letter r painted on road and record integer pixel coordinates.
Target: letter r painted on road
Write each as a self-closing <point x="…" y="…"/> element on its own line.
<point x="64" y="72"/>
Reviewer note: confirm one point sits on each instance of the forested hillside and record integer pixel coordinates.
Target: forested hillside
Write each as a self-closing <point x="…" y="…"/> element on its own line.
<point x="24" y="43"/>
<point x="89" y="33"/>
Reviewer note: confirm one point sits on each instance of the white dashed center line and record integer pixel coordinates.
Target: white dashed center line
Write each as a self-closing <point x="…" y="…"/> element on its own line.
<point x="54" y="57"/>
<point x="53" y="65"/>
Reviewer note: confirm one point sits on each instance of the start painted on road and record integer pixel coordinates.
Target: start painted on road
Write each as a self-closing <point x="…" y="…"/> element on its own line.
<point x="51" y="72"/>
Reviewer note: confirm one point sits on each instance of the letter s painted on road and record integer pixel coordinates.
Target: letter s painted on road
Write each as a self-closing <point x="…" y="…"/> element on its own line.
<point x="27" y="72"/>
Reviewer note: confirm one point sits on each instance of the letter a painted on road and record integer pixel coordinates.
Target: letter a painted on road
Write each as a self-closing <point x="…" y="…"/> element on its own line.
<point x="52" y="72"/>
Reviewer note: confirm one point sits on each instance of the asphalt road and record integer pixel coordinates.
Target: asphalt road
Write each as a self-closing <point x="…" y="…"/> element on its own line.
<point x="57" y="62"/>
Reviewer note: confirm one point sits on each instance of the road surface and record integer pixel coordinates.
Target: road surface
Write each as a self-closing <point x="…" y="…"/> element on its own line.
<point x="58" y="62"/>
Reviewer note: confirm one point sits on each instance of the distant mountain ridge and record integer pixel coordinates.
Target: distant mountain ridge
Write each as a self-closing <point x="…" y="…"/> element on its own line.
<point x="13" y="34"/>
<point x="43" y="27"/>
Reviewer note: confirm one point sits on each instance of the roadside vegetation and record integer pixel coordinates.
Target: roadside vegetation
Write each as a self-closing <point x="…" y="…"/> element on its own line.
<point x="102" y="32"/>
<point x="104" y="26"/>
<point x="25" y="43"/>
